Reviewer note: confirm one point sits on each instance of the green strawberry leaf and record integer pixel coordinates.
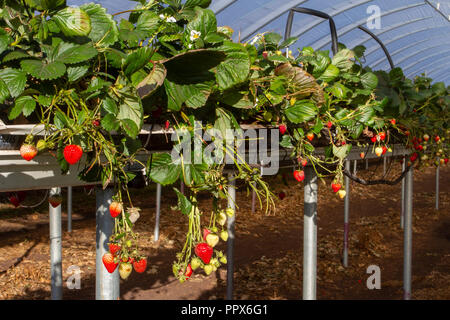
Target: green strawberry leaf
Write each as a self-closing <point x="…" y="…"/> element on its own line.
<point x="14" y="79"/>
<point x="44" y="70"/>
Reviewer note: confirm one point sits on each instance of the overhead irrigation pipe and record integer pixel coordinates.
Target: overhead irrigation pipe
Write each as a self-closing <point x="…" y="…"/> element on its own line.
<point x="320" y="14"/>
<point x="386" y="52"/>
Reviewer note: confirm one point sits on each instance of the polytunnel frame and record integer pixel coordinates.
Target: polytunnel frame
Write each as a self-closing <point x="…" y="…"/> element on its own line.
<point x="107" y="285"/>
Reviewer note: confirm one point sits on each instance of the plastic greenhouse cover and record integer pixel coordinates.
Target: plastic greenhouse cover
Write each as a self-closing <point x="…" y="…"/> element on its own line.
<point x="415" y="32"/>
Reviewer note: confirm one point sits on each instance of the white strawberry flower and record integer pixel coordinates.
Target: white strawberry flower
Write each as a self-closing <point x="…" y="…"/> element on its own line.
<point x="195" y="35"/>
<point x="167" y="18"/>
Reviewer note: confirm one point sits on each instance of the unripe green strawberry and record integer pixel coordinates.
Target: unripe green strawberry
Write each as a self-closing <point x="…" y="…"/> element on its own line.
<point x="208" y="269"/>
<point x="230" y="212"/>
<point x="195" y="263"/>
<point x="41" y="145"/>
<point x="222" y="218"/>
<point x="215" y="262"/>
<point x="125" y="270"/>
<point x="224" y="235"/>
<point x="223" y="260"/>
<point x="212" y="239"/>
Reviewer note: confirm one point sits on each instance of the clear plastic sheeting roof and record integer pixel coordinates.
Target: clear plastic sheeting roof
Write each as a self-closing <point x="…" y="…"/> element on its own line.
<point x="415" y="32"/>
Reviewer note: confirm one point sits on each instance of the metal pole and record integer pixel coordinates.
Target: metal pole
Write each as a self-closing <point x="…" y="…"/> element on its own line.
<point x="407" y="244"/>
<point x="158" y="210"/>
<point x="346" y="214"/>
<point x="107" y="284"/>
<point x="69" y="209"/>
<point x="310" y="235"/>
<point x="230" y="242"/>
<point x="437" y="184"/>
<point x="55" y="248"/>
<point x="402" y="216"/>
<point x="354" y="167"/>
<point x="384" y="165"/>
<point x="367" y="163"/>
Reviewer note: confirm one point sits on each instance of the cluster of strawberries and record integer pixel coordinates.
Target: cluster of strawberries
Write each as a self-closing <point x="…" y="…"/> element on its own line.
<point x="72" y="152"/>
<point x="204" y="251"/>
<point x="118" y="257"/>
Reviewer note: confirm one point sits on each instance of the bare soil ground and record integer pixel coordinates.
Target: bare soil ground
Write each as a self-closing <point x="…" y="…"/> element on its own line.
<point x="268" y="251"/>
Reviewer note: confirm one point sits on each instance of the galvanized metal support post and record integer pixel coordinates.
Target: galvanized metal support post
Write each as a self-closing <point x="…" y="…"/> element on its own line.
<point x="310" y="235"/>
<point x="402" y="216"/>
<point x="355" y="164"/>
<point x="106" y="284"/>
<point x="437" y="184"/>
<point x="158" y="211"/>
<point x="230" y="242"/>
<point x="55" y="249"/>
<point x="69" y="209"/>
<point x="407" y="242"/>
<point x="346" y="215"/>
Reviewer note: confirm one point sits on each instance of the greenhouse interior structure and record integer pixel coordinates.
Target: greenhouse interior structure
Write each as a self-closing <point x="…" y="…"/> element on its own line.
<point x="224" y="150"/>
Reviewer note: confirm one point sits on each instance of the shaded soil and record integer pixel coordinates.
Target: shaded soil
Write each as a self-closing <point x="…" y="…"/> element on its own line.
<point x="268" y="248"/>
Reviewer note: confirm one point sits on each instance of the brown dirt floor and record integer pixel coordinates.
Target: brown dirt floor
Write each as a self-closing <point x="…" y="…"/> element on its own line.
<point x="268" y="248"/>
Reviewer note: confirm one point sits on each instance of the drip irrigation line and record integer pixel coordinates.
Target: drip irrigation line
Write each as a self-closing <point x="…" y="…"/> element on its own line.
<point x="379" y="181"/>
<point x="38" y="204"/>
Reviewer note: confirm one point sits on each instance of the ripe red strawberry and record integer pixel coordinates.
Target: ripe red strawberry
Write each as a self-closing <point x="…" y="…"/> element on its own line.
<point x="373" y="139"/>
<point x="413" y="157"/>
<point x="384" y="149"/>
<point x="436" y="138"/>
<point x="426" y="137"/>
<point x="167" y="124"/>
<point x="96" y="123"/>
<point x="205" y="233"/>
<point x="393" y="121"/>
<point x="282" y="128"/>
<point x="446" y="160"/>
<point x="382" y="136"/>
<point x="265" y="54"/>
<point x="140" y="265"/>
<point x="304" y="162"/>
<point x="188" y="272"/>
<point x="204" y="252"/>
<point x="329" y="124"/>
<point x="310" y="136"/>
<point x="14" y="200"/>
<point x="125" y="269"/>
<point x="362" y="155"/>
<point x="73" y="153"/>
<point x="114" y="248"/>
<point x="115" y="208"/>
<point x="343" y="142"/>
<point x="299" y="175"/>
<point x="336" y="187"/>
<point x="28" y="151"/>
<point x="108" y="262"/>
<point x="282" y="195"/>
<point x="55" y="200"/>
